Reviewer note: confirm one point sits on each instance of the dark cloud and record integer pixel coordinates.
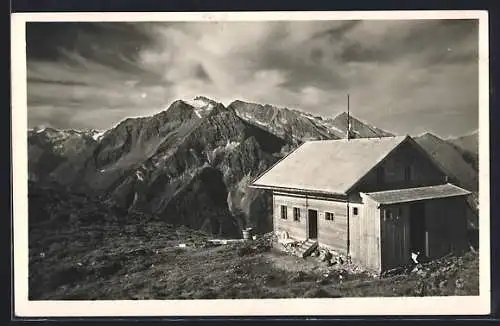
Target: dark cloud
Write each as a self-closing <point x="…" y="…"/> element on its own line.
<point x="48" y="80"/>
<point x="302" y="71"/>
<point x="427" y="42"/>
<point x="202" y="74"/>
<point x="405" y="76"/>
<point x="46" y="40"/>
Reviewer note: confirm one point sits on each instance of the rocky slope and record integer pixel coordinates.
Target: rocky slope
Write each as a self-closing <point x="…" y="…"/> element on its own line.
<point x="468" y="142"/>
<point x="191" y="163"/>
<point x="293" y="125"/>
<point x="359" y="128"/>
<point x="459" y="168"/>
<point x="297" y="126"/>
<point x="461" y="172"/>
<point x="49" y="148"/>
<point x="468" y="145"/>
<point x="188" y="164"/>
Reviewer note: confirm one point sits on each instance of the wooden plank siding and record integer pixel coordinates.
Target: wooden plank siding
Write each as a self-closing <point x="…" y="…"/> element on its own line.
<point x="296" y="229"/>
<point x="446" y="226"/>
<point x="423" y="171"/>
<point x="331" y="234"/>
<point x="395" y="236"/>
<point x="365" y="235"/>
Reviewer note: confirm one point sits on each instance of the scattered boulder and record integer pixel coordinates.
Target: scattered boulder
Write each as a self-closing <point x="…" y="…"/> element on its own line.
<point x="325" y="255"/>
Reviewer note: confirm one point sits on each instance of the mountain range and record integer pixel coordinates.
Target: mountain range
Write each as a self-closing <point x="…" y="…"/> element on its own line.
<point x="190" y="164"/>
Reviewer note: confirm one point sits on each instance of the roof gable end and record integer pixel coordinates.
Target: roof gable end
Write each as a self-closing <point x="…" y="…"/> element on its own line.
<point x="408" y="140"/>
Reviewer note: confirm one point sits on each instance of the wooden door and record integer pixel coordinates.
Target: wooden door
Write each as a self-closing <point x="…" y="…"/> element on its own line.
<point x="312" y="221"/>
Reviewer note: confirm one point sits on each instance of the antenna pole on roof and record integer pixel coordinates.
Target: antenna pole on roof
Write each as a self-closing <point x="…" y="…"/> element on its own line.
<point x="348" y="119"/>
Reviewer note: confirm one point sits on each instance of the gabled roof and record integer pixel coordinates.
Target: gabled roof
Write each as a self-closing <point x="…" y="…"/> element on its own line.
<point x="417" y="194"/>
<point x="328" y="166"/>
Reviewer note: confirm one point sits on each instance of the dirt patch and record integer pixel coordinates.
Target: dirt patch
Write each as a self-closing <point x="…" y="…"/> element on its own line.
<point x="140" y="261"/>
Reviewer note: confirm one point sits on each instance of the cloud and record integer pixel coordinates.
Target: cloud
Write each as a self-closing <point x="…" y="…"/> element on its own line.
<point x="404" y="76"/>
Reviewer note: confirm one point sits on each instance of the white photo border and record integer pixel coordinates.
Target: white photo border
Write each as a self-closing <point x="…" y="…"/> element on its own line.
<point x="404" y="306"/>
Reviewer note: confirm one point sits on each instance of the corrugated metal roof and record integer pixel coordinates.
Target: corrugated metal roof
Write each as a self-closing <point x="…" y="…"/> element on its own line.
<point x="328" y="166"/>
<point x="417" y="194"/>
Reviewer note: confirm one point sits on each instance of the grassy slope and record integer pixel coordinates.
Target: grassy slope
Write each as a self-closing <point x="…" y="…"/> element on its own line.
<point x="143" y="261"/>
<point x="81" y="248"/>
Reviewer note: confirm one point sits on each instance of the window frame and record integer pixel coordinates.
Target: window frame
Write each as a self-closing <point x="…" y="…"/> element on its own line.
<point x="355" y="211"/>
<point x="327" y="214"/>
<point x="296" y="214"/>
<point x="388" y="216"/>
<point x="284" y="212"/>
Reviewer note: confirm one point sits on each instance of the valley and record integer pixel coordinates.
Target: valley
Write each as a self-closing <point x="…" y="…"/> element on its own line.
<point x="109" y="209"/>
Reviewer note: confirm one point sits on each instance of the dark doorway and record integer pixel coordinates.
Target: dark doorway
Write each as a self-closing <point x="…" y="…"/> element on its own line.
<point x="418" y="229"/>
<point x="313" y="224"/>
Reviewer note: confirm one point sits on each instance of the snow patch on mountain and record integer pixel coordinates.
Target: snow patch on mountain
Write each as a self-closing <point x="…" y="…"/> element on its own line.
<point x="201" y="105"/>
<point x="97" y="135"/>
<point x="249" y="117"/>
<point x="231" y="145"/>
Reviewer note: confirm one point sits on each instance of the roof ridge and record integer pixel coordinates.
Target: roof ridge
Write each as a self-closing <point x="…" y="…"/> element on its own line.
<point x="357" y="139"/>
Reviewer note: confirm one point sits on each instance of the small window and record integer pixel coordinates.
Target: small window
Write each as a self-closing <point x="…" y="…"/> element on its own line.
<point x="296" y="214"/>
<point x="329" y="216"/>
<point x="283" y="212"/>
<point x="355" y="211"/>
<point x="388" y="214"/>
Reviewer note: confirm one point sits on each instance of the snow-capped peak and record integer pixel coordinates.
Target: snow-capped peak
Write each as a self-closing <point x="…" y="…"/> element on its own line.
<point x="201" y="105"/>
<point x="64" y="133"/>
<point x="200" y="102"/>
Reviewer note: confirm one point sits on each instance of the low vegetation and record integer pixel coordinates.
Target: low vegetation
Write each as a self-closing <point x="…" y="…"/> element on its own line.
<point x="81" y="249"/>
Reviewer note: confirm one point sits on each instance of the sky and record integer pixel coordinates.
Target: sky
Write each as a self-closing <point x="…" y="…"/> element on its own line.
<point x="407" y="77"/>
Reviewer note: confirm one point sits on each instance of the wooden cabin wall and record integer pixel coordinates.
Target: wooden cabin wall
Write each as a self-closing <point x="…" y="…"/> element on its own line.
<point x="331" y="234"/>
<point x="446" y="223"/>
<point x="423" y="171"/>
<point x="296" y="229"/>
<point x="395" y="236"/>
<point x="365" y="242"/>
